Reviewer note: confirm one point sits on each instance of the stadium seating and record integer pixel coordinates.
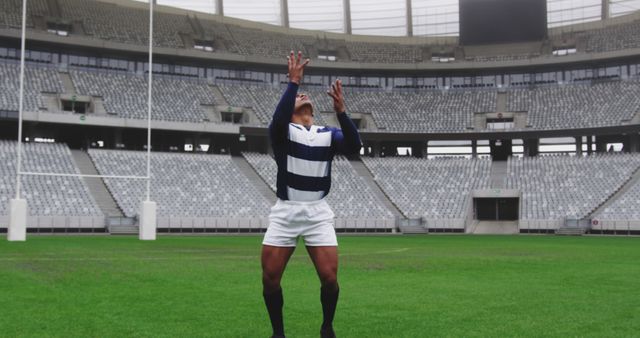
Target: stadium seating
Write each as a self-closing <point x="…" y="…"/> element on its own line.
<point x="11" y="12"/>
<point x="555" y="187"/>
<point x="126" y="25"/>
<point x="255" y="42"/>
<point x="38" y="80"/>
<point x="384" y="52"/>
<point x="350" y="196"/>
<point x="395" y="111"/>
<point x="433" y="189"/>
<point x="577" y="105"/>
<point x="182" y="185"/>
<point x="625" y="207"/>
<point x="45" y="195"/>
<point x="125" y="95"/>
<point x="617" y="37"/>
<point x="502" y="58"/>
<point x="441" y="111"/>
<point x="551" y="107"/>
<point x="263" y="99"/>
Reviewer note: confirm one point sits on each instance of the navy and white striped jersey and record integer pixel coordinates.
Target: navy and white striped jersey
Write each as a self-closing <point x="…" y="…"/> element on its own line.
<point x="304" y="155"/>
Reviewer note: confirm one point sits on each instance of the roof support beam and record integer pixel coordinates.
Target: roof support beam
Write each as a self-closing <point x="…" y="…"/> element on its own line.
<point x="220" y="7"/>
<point x="284" y="13"/>
<point x="605" y="9"/>
<point x="409" y="18"/>
<point x="347" y="16"/>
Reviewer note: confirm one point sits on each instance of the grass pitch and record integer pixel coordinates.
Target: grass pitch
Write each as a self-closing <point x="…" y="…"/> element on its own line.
<point x="395" y="286"/>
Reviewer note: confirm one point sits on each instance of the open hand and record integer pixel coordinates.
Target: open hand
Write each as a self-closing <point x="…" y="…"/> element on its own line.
<point x="296" y="67"/>
<point x="338" y="97"/>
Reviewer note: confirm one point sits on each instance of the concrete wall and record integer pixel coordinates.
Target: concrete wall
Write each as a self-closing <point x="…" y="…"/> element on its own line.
<point x="616" y="225"/>
<point x="540" y="224"/>
<point x="445" y="224"/>
<point x="98" y="222"/>
<point x="59" y="222"/>
<point x="187" y="223"/>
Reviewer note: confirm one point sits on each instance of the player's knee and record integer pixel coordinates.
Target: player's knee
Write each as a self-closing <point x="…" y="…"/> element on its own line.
<point x="329" y="280"/>
<point x="271" y="281"/>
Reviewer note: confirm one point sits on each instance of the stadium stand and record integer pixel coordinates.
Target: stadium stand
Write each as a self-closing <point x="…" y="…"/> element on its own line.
<point x="125" y="25"/>
<point x="265" y="166"/>
<point x="617" y="37"/>
<point x="38" y="80"/>
<point x="443" y="111"/>
<point x="255" y="42"/>
<point x="183" y="185"/>
<point x="217" y="31"/>
<point x="46" y="195"/>
<point x="129" y="24"/>
<point x="626" y="207"/>
<point x="502" y="58"/>
<point x="11" y="12"/>
<point x="350" y="196"/>
<point x="562" y="186"/>
<point x="577" y="105"/>
<point x="125" y="95"/>
<point x="384" y="52"/>
<point x="430" y="189"/>
<point x="263" y="99"/>
<point x="395" y="111"/>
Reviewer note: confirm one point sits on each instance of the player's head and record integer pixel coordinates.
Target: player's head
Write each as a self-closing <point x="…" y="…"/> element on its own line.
<point x="303" y="111"/>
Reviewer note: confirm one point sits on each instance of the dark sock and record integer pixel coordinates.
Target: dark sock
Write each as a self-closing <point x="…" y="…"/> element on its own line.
<point x="275" y="302"/>
<point x="329" y="300"/>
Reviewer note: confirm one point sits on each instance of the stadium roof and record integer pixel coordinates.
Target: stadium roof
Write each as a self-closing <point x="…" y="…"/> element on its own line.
<point x="389" y="17"/>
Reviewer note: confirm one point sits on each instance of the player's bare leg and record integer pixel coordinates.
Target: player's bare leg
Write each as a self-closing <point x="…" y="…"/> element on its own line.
<point x="325" y="259"/>
<point x="274" y="261"/>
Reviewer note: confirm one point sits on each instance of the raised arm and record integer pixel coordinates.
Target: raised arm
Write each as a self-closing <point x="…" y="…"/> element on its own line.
<point x="284" y="110"/>
<point x="346" y="139"/>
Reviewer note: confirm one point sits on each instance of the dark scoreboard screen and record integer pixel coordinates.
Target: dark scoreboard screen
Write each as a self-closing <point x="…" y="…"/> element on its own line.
<point x="502" y="21"/>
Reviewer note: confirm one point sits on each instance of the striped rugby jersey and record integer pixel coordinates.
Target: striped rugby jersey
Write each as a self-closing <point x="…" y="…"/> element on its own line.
<point x="304" y="156"/>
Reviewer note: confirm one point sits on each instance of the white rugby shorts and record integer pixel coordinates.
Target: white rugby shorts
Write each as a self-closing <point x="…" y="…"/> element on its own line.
<point x="313" y="221"/>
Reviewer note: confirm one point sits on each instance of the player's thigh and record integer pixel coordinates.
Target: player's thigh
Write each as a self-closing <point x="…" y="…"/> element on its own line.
<point x="325" y="259"/>
<point x="274" y="260"/>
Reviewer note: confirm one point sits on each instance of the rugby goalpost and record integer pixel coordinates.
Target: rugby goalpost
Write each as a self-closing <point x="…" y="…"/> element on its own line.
<point x="18" y="209"/>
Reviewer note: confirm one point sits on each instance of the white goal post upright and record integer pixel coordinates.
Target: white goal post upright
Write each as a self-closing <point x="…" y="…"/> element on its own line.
<point x="17" y="230"/>
<point x="148" y="228"/>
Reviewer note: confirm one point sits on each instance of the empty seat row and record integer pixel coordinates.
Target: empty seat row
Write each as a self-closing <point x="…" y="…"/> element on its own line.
<point x="182" y="185"/>
<point x="430" y="188"/>
<point x="45" y="195"/>
<point x="350" y="196"/>
<point x="563" y="186"/>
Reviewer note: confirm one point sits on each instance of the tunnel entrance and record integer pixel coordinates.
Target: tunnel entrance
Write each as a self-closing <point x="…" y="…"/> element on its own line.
<point x="496" y="209"/>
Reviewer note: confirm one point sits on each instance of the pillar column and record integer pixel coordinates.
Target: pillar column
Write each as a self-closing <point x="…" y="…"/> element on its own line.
<point x="346" y="4"/>
<point x="220" y="7"/>
<point x="284" y="13"/>
<point x="474" y="148"/>
<point x="579" y="145"/>
<point x="409" y="18"/>
<point x="531" y="147"/>
<point x="605" y="9"/>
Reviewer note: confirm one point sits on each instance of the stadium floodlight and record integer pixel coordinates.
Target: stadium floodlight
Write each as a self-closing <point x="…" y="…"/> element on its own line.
<point x="18" y="206"/>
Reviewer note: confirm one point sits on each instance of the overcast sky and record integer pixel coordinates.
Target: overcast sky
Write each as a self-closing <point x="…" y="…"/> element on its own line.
<point x="387" y="17"/>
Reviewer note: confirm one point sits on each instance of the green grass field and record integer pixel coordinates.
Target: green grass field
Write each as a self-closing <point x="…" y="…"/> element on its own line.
<point x="395" y="286"/>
